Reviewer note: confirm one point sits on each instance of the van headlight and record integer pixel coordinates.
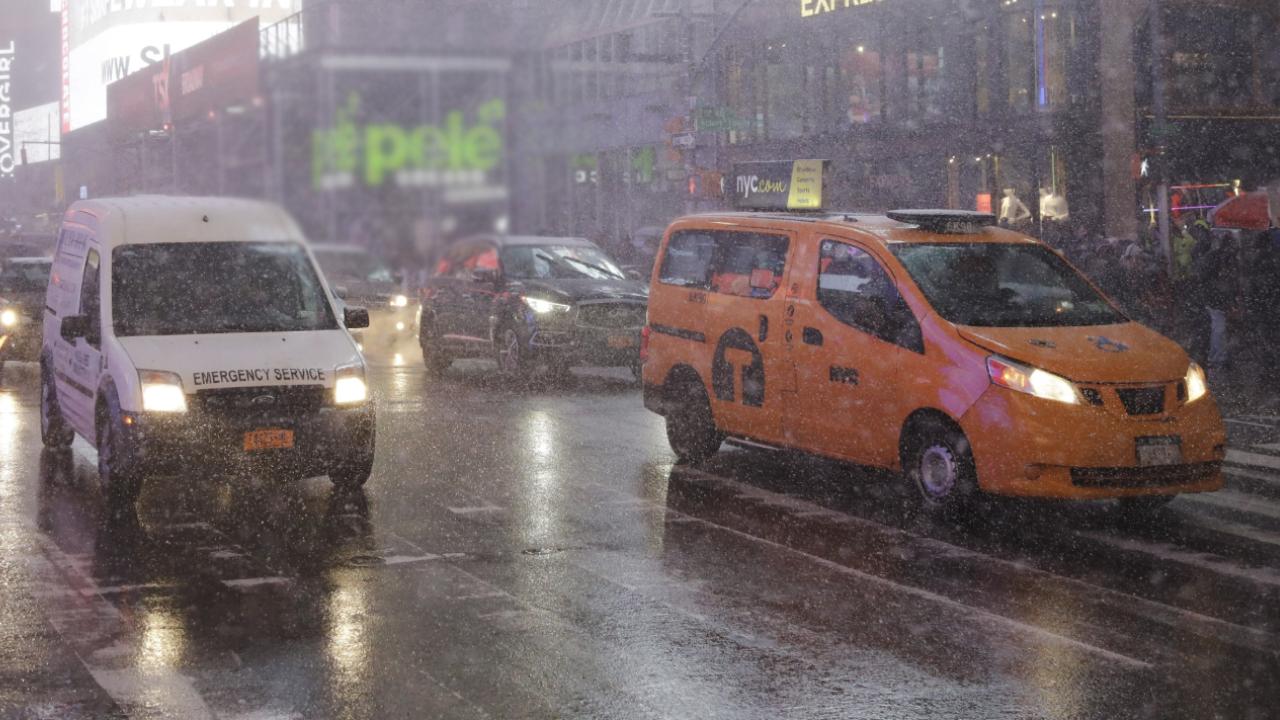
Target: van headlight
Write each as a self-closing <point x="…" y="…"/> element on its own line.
<point x="162" y="391"/>
<point x="8" y="318"/>
<point x="1196" y="383"/>
<point x="542" y="307"/>
<point x="399" y="301"/>
<point x="1032" y="381"/>
<point x="348" y="386"/>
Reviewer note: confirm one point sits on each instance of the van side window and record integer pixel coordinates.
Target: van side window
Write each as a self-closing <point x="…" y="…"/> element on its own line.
<point x="748" y="264"/>
<point x="90" y="299"/>
<point x="688" y="259"/>
<point x="856" y="290"/>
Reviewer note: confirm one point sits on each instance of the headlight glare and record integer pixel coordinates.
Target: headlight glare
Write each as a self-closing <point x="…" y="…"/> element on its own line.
<point x="1197" y="385"/>
<point x="162" y="392"/>
<point x="399" y="301"/>
<point x="1032" y="381"/>
<point x="541" y="306"/>
<point x="8" y="318"/>
<point x="349" y="387"/>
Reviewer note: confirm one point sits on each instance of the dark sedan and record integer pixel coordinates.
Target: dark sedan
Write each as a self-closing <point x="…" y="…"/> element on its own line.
<point x="23" y="282"/>
<point x="532" y="302"/>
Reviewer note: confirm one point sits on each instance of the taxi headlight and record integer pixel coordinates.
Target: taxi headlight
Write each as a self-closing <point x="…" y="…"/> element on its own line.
<point x="162" y="391"/>
<point x="8" y="318"/>
<point x="349" y="387"/>
<point x="1032" y="381"/>
<point x="399" y="301"/>
<point x="541" y="306"/>
<point x="1197" y="385"/>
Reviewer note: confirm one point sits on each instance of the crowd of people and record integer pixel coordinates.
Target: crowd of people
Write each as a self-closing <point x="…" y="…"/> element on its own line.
<point x="1218" y="298"/>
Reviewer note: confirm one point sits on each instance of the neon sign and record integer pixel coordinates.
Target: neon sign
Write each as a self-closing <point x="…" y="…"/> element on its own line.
<point x="458" y="152"/>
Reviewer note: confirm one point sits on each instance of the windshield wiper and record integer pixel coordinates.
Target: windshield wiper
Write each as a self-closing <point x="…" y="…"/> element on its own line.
<point x="597" y="268"/>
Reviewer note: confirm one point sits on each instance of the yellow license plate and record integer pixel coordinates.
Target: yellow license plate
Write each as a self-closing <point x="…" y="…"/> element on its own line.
<point x="620" y="342"/>
<point x="268" y="440"/>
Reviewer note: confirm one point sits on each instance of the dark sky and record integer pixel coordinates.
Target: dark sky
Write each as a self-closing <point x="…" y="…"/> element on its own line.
<point x="37" y="69"/>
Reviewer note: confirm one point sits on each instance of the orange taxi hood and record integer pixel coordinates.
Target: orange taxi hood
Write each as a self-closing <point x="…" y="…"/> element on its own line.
<point x="1122" y="353"/>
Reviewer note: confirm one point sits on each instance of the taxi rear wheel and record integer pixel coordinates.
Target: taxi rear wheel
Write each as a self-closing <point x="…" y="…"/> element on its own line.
<point x="691" y="429"/>
<point x="938" y="464"/>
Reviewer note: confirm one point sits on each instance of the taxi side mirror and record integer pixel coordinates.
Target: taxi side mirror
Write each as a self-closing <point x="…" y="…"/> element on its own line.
<point x="74" y="326"/>
<point x="355" y="318"/>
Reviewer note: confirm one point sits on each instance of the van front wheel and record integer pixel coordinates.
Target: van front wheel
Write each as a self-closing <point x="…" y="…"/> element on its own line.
<point x="121" y="484"/>
<point x="691" y="429"/>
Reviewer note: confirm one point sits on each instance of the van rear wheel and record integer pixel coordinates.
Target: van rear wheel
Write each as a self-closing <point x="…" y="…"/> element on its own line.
<point x="54" y="432"/>
<point x="691" y="428"/>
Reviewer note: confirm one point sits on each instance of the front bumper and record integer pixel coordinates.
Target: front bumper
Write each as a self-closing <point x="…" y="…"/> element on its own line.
<point x="1028" y="446"/>
<point x="577" y="345"/>
<point x="323" y="440"/>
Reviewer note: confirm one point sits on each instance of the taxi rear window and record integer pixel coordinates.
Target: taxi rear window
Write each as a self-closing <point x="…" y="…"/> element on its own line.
<point x="730" y="262"/>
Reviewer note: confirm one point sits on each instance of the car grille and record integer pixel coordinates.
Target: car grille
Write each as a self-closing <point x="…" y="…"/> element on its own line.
<point x="612" y="315"/>
<point x="1140" y="477"/>
<point x="1142" y="401"/>
<point x="239" y="402"/>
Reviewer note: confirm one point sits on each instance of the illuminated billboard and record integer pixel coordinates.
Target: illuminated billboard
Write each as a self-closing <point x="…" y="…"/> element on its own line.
<point x="106" y="40"/>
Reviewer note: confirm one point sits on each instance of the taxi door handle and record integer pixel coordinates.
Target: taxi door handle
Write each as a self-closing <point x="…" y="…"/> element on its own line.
<point x="764" y="328"/>
<point x="812" y="336"/>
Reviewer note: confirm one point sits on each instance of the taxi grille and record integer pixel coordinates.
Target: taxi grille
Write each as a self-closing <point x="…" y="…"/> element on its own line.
<point x="1142" y="401"/>
<point x="612" y="315"/>
<point x="237" y="402"/>
<point x="1140" y="477"/>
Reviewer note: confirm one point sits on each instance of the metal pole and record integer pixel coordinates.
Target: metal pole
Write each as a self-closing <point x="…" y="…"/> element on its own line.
<point x="1160" y="131"/>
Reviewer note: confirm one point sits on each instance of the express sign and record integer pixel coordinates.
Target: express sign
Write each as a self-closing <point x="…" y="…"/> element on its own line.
<point x="809" y="8"/>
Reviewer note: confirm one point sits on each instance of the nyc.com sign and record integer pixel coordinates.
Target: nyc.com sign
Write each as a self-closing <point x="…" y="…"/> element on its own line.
<point x="461" y="151"/>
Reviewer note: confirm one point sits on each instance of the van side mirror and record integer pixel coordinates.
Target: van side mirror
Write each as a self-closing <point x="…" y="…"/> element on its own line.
<point x="355" y="318"/>
<point x="73" y="326"/>
<point x="484" y="275"/>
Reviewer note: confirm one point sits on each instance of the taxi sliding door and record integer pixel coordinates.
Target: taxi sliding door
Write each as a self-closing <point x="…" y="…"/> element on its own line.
<point x="749" y="371"/>
<point x="852" y="336"/>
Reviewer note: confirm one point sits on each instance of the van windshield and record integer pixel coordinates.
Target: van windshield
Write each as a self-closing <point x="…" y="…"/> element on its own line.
<point x="222" y="287"/>
<point x="1004" y="285"/>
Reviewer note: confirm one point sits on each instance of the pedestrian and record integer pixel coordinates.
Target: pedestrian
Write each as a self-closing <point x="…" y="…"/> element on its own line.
<point x="1215" y="289"/>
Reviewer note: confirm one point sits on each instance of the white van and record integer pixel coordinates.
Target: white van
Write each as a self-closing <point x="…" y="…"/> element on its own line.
<point x="185" y="333"/>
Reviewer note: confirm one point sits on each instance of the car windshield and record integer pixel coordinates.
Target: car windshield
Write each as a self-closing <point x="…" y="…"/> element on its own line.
<point x="25" y="276"/>
<point x="345" y="265"/>
<point x="223" y="287"/>
<point x="551" y="262"/>
<point x="1004" y="285"/>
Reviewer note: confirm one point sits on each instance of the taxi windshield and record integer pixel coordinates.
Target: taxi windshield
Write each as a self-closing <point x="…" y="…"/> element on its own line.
<point x="221" y="287"/>
<point x="1004" y="285"/>
<point x="554" y="262"/>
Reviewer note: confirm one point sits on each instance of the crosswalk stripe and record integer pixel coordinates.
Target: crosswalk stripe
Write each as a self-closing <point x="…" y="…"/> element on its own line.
<point x="1252" y="459"/>
<point x="1234" y="500"/>
<point x="1173" y="553"/>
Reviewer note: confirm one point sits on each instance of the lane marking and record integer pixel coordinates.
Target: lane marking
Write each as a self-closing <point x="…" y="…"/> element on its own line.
<point x="1235" y="500"/>
<point x="1206" y="561"/>
<point x="473" y="510"/>
<point x="1228" y="527"/>
<point x="1252" y="459"/>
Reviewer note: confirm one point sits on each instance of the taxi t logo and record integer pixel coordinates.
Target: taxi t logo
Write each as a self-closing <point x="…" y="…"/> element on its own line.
<point x="737" y="345"/>
<point x="1106" y="344"/>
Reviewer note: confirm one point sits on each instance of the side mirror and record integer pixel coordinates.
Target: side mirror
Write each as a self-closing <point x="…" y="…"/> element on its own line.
<point x="340" y="291"/>
<point x="74" y="326"/>
<point x="484" y="275"/>
<point x="633" y="274"/>
<point x="355" y="318"/>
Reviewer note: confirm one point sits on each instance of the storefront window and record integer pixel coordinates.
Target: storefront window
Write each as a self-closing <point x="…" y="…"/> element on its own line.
<point x="925" y="81"/>
<point x="1037" y="43"/>
<point x="860" y="70"/>
<point x="1019" y="58"/>
<point x="1211" y="57"/>
<point x="784" y="82"/>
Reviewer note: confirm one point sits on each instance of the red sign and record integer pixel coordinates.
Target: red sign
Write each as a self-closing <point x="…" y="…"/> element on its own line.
<point x="983" y="203"/>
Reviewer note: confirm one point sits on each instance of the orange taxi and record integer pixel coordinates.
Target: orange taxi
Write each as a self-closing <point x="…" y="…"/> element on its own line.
<point x="972" y="358"/>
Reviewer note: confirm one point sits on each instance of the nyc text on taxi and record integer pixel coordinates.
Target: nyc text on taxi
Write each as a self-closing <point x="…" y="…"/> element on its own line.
<point x="970" y="357"/>
<point x="185" y="333"/>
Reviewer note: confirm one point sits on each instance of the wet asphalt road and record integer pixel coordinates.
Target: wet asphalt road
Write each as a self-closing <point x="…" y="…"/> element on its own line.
<point x="534" y="553"/>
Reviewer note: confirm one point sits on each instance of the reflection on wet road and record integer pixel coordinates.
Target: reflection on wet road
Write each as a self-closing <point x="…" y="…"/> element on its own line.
<point x="534" y="553"/>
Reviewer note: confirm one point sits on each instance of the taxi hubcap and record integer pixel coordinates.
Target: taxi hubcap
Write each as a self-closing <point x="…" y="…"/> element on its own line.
<point x="937" y="471"/>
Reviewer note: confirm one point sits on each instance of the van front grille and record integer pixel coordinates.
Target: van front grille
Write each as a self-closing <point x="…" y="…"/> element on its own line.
<point x="265" y="400"/>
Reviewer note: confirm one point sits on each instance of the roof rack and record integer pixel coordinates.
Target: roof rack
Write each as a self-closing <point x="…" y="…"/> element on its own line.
<point x="957" y="222"/>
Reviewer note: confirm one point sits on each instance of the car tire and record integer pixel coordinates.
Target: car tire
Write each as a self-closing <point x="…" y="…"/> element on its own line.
<point x="54" y="432"/>
<point x="691" y="428"/>
<point x="352" y="474"/>
<point x="637" y="371"/>
<point x="937" y="462"/>
<point x="510" y="353"/>
<point x="434" y="360"/>
<point x="121" y="483"/>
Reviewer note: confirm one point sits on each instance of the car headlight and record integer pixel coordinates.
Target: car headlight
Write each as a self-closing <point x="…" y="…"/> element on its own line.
<point x="1032" y="381"/>
<point x="8" y="318"/>
<point x="399" y="301"/>
<point x="541" y="306"/>
<point x="349" y="387"/>
<point x="162" y="391"/>
<point x="1197" y="385"/>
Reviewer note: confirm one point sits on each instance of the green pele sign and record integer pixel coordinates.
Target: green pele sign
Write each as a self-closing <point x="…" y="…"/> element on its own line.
<point x="460" y="151"/>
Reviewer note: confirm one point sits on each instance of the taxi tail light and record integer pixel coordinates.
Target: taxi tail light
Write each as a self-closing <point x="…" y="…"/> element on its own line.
<point x="1032" y="381"/>
<point x="644" y="343"/>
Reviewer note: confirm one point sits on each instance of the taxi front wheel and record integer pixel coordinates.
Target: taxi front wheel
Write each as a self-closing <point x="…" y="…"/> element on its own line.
<point x="938" y="463"/>
<point x="691" y="429"/>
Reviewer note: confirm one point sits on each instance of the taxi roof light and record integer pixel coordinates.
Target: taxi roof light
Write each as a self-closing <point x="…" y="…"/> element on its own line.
<point x="945" y="222"/>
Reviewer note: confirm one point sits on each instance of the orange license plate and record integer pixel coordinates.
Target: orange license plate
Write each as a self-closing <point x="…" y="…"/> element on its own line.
<point x="268" y="440"/>
<point x="620" y="342"/>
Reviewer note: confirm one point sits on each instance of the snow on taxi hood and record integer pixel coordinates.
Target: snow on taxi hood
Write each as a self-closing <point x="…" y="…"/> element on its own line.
<point x="245" y="359"/>
<point x="1120" y="353"/>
